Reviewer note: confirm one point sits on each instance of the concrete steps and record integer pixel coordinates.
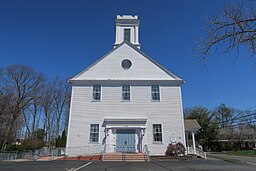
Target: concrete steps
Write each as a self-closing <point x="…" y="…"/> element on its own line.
<point x="140" y="157"/>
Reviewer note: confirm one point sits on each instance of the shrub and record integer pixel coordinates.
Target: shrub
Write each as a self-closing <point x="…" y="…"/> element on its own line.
<point x="14" y="147"/>
<point x="31" y="144"/>
<point x="217" y="146"/>
<point x="175" y="149"/>
<point x="227" y="146"/>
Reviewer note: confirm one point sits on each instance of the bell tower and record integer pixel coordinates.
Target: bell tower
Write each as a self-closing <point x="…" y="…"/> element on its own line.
<point x="127" y="29"/>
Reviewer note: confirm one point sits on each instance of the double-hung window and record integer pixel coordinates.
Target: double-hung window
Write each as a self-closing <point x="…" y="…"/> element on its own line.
<point x="157" y="133"/>
<point x="155" y="93"/>
<point x="96" y="94"/>
<point x="94" y="133"/>
<point x="126" y="93"/>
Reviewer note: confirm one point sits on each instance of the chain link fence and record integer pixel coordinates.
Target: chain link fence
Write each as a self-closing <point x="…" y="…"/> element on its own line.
<point x="32" y="155"/>
<point x="12" y="155"/>
<point x="84" y="150"/>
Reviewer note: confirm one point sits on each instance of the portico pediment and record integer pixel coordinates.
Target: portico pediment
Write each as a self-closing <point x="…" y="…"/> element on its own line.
<point x="125" y="122"/>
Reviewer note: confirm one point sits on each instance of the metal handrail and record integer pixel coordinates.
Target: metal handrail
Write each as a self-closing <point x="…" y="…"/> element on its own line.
<point x="146" y="152"/>
<point x="201" y="153"/>
<point x="103" y="152"/>
<point x="198" y="152"/>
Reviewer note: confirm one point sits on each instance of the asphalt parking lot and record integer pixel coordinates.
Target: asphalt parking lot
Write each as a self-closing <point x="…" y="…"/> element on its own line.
<point x="195" y="165"/>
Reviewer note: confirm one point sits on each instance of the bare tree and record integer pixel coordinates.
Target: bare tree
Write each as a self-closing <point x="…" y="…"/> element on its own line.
<point x="55" y="107"/>
<point x="66" y="113"/>
<point x="48" y="109"/>
<point x="5" y="104"/>
<point x="35" y="108"/>
<point x="231" y="29"/>
<point x="19" y="83"/>
<point x="61" y="98"/>
<point x="28" y="103"/>
<point x="224" y="115"/>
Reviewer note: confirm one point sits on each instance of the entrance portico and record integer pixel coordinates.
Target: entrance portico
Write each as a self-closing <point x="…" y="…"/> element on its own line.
<point x="191" y="127"/>
<point x="124" y="134"/>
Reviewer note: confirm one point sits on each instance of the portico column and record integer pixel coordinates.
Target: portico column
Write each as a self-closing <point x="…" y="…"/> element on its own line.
<point x="186" y="133"/>
<point x="194" y="142"/>
<point x="142" y="132"/>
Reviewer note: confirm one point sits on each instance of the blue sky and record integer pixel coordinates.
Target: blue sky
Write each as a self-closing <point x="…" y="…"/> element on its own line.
<point x="61" y="38"/>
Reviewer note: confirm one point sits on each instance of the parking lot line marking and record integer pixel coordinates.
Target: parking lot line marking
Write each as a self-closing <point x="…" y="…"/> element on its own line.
<point x="83" y="166"/>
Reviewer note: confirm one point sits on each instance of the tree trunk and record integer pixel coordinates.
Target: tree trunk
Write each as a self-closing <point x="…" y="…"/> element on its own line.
<point x="7" y="131"/>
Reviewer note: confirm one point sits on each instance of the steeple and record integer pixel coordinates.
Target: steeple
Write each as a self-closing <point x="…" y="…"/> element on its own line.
<point x="127" y="29"/>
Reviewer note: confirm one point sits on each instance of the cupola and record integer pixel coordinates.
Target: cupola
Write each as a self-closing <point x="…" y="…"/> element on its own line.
<point x="127" y="29"/>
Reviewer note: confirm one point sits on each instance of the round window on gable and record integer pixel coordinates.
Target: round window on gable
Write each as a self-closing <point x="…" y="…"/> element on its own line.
<point x="126" y="64"/>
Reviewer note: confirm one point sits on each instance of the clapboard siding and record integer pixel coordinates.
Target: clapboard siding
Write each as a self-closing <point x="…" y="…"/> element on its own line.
<point x="167" y="112"/>
<point x="110" y="67"/>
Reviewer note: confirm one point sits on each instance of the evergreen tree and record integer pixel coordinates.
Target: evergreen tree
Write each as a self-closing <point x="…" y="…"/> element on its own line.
<point x="207" y="135"/>
<point x="61" y="140"/>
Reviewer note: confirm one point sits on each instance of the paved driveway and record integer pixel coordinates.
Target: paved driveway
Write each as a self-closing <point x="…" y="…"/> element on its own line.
<point x="205" y="165"/>
<point x="199" y="165"/>
<point x="241" y="159"/>
<point x="41" y="165"/>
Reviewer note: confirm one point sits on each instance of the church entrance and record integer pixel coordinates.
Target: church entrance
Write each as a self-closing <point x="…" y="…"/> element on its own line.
<point x="125" y="140"/>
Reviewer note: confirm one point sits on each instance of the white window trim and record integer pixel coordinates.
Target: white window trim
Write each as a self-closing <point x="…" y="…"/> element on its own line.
<point x="152" y="94"/>
<point x="123" y="100"/>
<point x="92" y="142"/>
<point x="157" y="142"/>
<point x="94" y="100"/>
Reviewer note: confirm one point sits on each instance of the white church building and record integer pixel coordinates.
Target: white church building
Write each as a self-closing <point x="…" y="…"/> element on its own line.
<point x="125" y="101"/>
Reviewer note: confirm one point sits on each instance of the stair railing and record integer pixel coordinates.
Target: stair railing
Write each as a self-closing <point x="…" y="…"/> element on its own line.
<point x="201" y="153"/>
<point x="125" y="150"/>
<point x="146" y="152"/>
<point x="103" y="151"/>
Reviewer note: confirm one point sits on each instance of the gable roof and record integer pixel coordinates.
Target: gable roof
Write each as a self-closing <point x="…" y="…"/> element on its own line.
<point x="191" y="124"/>
<point x="158" y="72"/>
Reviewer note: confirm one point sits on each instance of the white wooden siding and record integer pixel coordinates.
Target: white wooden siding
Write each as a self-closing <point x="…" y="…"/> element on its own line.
<point x="109" y="68"/>
<point x="166" y="112"/>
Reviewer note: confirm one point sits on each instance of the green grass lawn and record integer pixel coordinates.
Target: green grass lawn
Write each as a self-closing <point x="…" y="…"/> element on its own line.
<point x="250" y="153"/>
